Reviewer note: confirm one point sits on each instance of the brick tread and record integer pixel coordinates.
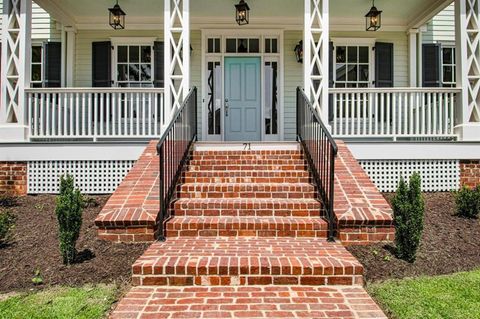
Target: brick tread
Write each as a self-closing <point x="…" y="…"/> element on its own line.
<point x="247" y="190"/>
<point x="242" y="153"/>
<point x="260" y="167"/>
<point x="196" y="156"/>
<point x="247" y="207"/>
<point x="248" y="302"/>
<point x="242" y="226"/>
<point x="246" y="261"/>
<point x="248" y="162"/>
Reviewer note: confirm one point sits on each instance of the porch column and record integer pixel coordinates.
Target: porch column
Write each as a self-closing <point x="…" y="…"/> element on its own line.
<point x="15" y="68"/>
<point x="71" y="37"/>
<point x="315" y="54"/>
<point x="412" y="56"/>
<point x="177" y="52"/>
<point x="467" y="25"/>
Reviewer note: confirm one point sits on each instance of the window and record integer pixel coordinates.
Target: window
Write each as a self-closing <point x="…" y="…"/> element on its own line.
<point x="271" y="97"/>
<point x="352" y="66"/>
<point x="134" y="66"/>
<point x="271" y="45"/>
<point x="240" y="45"/>
<point x="214" y="45"/>
<point x="448" y="67"/>
<point x="37" y="66"/>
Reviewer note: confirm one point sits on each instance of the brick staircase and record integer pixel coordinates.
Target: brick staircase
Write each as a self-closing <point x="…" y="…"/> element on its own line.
<point x="246" y="237"/>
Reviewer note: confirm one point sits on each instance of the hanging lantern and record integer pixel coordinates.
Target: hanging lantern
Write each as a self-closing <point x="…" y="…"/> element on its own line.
<point x="242" y="13"/>
<point x="299" y="52"/>
<point x="117" y="17"/>
<point x="373" y="19"/>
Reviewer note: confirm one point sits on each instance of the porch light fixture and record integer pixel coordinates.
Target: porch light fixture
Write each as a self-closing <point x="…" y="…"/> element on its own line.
<point x="117" y="17"/>
<point x="299" y="52"/>
<point x="373" y="19"/>
<point x="242" y="14"/>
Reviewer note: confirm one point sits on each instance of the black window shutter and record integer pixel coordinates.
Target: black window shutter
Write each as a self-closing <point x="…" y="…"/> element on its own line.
<point x="53" y="64"/>
<point x="331" y="80"/>
<point x="102" y="64"/>
<point x="431" y="65"/>
<point x="384" y="65"/>
<point x="159" y="64"/>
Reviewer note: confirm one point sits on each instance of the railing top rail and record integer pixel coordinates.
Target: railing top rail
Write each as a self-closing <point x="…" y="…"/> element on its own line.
<point x="175" y="117"/>
<point x="395" y="90"/>
<point x="94" y="90"/>
<point x="317" y="118"/>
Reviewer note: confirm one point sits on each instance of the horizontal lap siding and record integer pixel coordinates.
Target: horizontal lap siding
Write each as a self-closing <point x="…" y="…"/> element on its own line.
<point x="442" y="27"/>
<point x="43" y="27"/>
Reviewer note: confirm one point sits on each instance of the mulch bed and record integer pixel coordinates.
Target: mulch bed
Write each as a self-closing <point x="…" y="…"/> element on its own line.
<point x="449" y="244"/>
<point x="35" y="246"/>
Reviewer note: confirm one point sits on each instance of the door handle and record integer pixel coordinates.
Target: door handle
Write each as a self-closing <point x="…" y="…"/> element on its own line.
<point x="226" y="107"/>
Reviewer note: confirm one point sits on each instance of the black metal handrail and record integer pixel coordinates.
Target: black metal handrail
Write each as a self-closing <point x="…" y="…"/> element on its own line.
<point x="174" y="150"/>
<point x="320" y="150"/>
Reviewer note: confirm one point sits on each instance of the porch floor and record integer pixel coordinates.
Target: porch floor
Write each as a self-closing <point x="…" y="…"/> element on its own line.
<point x="249" y="235"/>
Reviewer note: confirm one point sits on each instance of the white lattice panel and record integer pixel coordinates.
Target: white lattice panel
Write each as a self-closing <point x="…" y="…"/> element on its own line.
<point x="437" y="175"/>
<point x="92" y="177"/>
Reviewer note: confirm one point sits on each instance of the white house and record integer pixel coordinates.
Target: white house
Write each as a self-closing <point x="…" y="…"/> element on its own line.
<point x="94" y="97"/>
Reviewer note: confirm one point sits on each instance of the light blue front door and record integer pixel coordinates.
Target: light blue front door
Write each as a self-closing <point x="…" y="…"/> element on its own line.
<point x="242" y="99"/>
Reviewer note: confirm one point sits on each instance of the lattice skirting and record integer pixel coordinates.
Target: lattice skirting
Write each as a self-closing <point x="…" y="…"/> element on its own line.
<point x="437" y="175"/>
<point x="92" y="177"/>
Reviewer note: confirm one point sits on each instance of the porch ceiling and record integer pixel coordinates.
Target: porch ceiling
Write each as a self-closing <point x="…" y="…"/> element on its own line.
<point x="344" y="14"/>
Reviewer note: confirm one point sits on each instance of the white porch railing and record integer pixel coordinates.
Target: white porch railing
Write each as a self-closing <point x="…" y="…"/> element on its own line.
<point x="393" y="112"/>
<point x="92" y="113"/>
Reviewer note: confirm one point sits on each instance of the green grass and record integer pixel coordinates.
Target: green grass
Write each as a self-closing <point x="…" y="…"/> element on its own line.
<point x="448" y="297"/>
<point x="84" y="303"/>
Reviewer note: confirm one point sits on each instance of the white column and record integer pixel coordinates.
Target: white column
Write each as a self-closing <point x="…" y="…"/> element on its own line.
<point x="15" y="70"/>
<point x="467" y="25"/>
<point x="64" y="57"/>
<point x="71" y="37"/>
<point x="177" y="52"/>
<point x="315" y="54"/>
<point x="412" y="57"/>
<point x="420" y="57"/>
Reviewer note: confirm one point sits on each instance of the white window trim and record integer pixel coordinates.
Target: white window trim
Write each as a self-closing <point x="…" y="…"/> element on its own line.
<point x="370" y="42"/>
<point x="454" y="65"/>
<point x="131" y="41"/>
<point x="206" y="57"/>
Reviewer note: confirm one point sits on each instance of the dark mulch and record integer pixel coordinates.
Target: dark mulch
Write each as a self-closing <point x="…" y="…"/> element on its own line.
<point x="449" y="244"/>
<point x="35" y="246"/>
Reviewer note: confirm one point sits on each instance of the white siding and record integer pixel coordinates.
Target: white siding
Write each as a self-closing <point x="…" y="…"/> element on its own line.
<point x="442" y="27"/>
<point x="43" y="27"/>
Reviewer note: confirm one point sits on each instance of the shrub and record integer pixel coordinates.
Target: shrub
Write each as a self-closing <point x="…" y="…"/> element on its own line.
<point x="69" y="209"/>
<point x="409" y="211"/>
<point x="7" y="223"/>
<point x="468" y="202"/>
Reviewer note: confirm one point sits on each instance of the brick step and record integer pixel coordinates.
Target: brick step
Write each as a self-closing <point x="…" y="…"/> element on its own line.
<point x="247" y="190"/>
<point x="248" y="168"/>
<point x="238" y="153"/>
<point x="210" y="261"/>
<point x="247" y="207"/>
<point x="246" y="227"/>
<point x="247" y="162"/>
<point x="242" y="180"/>
<point x="248" y="302"/>
<point x="248" y="174"/>
<point x="224" y="157"/>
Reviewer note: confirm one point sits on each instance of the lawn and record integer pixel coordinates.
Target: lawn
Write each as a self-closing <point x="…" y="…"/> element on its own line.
<point x="454" y="296"/>
<point x="88" y="302"/>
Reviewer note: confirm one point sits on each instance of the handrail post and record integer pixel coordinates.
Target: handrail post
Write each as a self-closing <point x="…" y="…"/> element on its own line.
<point x="162" y="213"/>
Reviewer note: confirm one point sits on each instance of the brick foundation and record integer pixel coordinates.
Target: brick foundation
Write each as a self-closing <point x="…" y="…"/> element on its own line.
<point x="13" y="178"/>
<point x="470" y="173"/>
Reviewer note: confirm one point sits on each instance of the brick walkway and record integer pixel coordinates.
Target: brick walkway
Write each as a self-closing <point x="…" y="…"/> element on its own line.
<point x="247" y="239"/>
<point x="248" y="302"/>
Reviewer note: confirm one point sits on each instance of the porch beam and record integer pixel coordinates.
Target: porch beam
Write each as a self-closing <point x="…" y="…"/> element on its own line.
<point x="15" y="71"/>
<point x="428" y="14"/>
<point x="316" y="55"/>
<point x="56" y="11"/>
<point x="467" y="26"/>
<point x="177" y="52"/>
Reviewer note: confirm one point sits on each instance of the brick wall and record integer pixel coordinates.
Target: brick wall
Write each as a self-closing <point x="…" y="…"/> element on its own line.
<point x="13" y="178"/>
<point x="470" y="173"/>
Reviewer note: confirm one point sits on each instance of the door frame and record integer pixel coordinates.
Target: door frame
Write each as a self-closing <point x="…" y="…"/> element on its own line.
<point x="275" y="57"/>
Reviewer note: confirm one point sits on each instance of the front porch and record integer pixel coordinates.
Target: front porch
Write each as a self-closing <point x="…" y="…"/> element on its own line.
<point x="126" y="85"/>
